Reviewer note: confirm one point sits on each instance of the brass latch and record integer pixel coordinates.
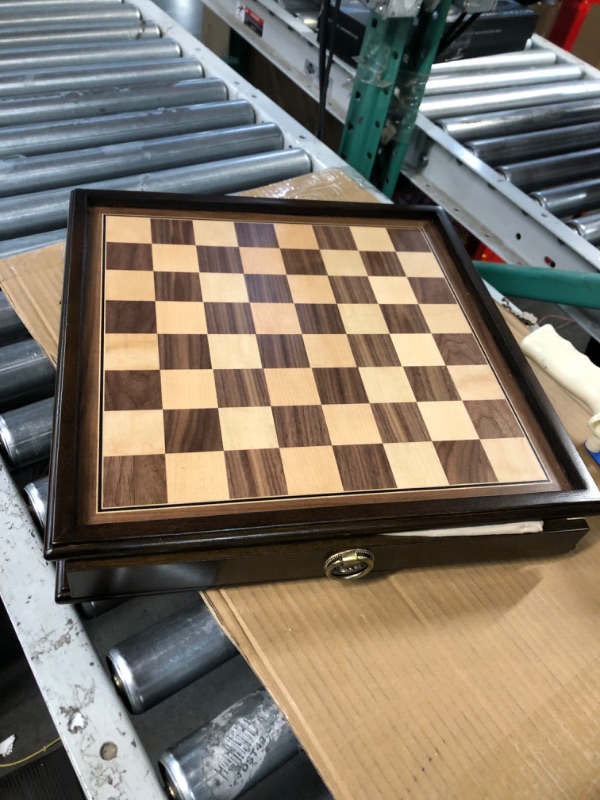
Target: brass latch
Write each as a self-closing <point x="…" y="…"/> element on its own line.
<point x="349" y="564"/>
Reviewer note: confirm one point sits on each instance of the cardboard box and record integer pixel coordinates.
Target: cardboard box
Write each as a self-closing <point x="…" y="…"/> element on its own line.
<point x="586" y="44"/>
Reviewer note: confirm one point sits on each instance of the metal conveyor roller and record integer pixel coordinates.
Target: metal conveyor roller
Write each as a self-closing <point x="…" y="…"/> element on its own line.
<point x="79" y="107"/>
<point x="73" y="105"/>
<point x="22" y="175"/>
<point x="64" y="14"/>
<point x="57" y="56"/>
<point x="45" y="33"/>
<point x="128" y="73"/>
<point x="58" y="137"/>
<point x="46" y="211"/>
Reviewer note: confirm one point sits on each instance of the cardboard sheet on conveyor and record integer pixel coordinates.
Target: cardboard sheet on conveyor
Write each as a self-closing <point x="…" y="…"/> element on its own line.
<point x="446" y="682"/>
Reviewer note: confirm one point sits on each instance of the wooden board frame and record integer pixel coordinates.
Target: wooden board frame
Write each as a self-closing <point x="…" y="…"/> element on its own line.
<point x="77" y="532"/>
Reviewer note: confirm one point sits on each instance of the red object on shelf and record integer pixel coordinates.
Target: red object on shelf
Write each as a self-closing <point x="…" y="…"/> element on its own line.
<point x="483" y="253"/>
<point x="568" y="22"/>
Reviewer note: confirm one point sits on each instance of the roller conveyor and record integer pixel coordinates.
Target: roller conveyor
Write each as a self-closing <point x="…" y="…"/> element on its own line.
<point x="518" y="166"/>
<point x="49" y="138"/>
<point x="51" y="34"/>
<point x="180" y="651"/>
<point x="117" y="94"/>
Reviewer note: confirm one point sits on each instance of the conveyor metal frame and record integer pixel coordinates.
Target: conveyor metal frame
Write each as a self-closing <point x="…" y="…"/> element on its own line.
<point x="86" y="711"/>
<point x="298" y="58"/>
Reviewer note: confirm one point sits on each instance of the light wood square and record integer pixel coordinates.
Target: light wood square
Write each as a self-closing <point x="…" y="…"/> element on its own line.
<point x="175" y="258"/>
<point x="127" y="284"/>
<point x="371" y="238"/>
<point x="329" y="350"/>
<point x="196" y="477"/>
<point x="220" y="287"/>
<point x="131" y="351"/>
<point x="387" y="385"/>
<point x="311" y="470"/>
<point x="420" y="265"/>
<point x="393" y="290"/>
<point x="445" y="318"/>
<point x="248" y="428"/>
<point x="513" y="460"/>
<point x="447" y="420"/>
<point x="343" y="262"/>
<point x="292" y="387"/>
<point x="417" y="350"/>
<point x="296" y="236"/>
<point x="351" y="423"/>
<point x="132" y="433"/>
<point x="188" y="388"/>
<point x="234" y="351"/>
<point x="262" y="261"/>
<point x="214" y="233"/>
<point x="175" y="317"/>
<point x="476" y="382"/>
<point x="128" y="229"/>
<point x="311" y="289"/>
<point x="275" y="318"/>
<point x="362" y="318"/>
<point x="415" y="465"/>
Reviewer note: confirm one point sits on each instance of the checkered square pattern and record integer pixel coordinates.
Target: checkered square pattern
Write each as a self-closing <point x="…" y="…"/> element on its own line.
<point x="247" y="360"/>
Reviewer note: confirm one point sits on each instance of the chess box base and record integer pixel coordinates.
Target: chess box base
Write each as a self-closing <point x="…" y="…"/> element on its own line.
<point x="247" y="387"/>
<point x="82" y="581"/>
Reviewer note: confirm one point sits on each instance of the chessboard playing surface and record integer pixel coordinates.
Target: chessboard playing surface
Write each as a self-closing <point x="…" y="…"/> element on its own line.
<point x="247" y="359"/>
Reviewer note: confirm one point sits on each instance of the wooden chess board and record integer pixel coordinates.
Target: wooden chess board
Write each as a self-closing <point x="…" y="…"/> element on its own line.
<point x="249" y="364"/>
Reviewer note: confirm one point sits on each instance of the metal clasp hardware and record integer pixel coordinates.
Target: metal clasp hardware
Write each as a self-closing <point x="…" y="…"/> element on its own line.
<point x="349" y="564"/>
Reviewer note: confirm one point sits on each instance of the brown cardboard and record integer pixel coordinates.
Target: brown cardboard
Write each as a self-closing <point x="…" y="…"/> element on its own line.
<point x="586" y="45"/>
<point x="330" y="184"/>
<point x="586" y="42"/>
<point x="33" y="284"/>
<point x="546" y="16"/>
<point x="462" y="682"/>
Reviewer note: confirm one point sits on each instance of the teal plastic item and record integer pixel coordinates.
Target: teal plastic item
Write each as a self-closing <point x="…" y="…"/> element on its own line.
<point x="543" y="283"/>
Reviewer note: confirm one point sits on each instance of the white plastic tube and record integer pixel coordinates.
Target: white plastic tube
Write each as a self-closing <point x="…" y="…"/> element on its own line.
<point x="571" y="369"/>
